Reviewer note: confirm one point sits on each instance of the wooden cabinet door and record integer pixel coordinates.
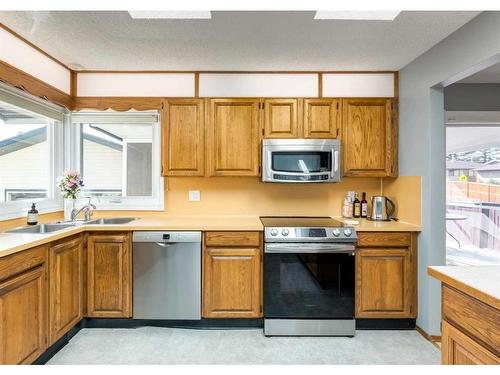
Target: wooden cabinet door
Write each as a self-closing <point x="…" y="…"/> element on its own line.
<point x="232" y="282"/>
<point x="280" y="118"/>
<point x="321" y="118"/>
<point x="23" y="324"/>
<point x="459" y="349"/>
<point x="65" y="287"/>
<point x="234" y="137"/>
<point x="369" y="138"/>
<point x="384" y="283"/>
<point x="109" y="276"/>
<point x="183" y="144"/>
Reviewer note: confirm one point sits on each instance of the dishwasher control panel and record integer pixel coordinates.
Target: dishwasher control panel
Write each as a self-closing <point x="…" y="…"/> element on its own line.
<point x="167" y="237"/>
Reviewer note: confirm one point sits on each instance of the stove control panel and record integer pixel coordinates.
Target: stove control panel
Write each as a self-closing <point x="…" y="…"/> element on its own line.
<point x="308" y="234"/>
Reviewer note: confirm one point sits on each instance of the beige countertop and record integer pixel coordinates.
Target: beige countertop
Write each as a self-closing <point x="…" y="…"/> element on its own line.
<point x="381" y="226"/>
<point x="14" y="242"/>
<point x="481" y="282"/>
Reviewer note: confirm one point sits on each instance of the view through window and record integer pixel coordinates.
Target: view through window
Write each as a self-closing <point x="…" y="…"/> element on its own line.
<point x="117" y="160"/>
<point x="25" y="155"/>
<point x="473" y="195"/>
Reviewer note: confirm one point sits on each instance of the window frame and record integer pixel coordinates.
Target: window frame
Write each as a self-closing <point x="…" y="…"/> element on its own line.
<point x="55" y="138"/>
<point x="155" y="202"/>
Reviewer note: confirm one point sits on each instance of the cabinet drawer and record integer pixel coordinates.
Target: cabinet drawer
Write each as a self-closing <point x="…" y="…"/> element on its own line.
<point x="232" y="239"/>
<point x="24" y="260"/>
<point x="385" y="239"/>
<point x="475" y="317"/>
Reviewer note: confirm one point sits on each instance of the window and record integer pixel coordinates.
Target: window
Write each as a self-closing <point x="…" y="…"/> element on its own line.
<point x="118" y="155"/>
<point x="31" y="154"/>
<point x="473" y="197"/>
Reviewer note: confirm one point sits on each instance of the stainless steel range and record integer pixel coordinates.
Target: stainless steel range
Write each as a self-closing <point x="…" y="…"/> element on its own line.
<point x="308" y="277"/>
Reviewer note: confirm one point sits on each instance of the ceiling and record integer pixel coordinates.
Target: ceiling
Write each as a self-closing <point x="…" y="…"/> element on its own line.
<point x="488" y="75"/>
<point x="286" y="40"/>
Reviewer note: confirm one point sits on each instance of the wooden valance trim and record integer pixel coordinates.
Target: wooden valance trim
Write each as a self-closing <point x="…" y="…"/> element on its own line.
<point x="117" y="103"/>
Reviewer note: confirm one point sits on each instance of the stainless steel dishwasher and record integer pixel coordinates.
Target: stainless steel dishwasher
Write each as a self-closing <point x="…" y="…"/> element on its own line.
<point x="167" y="275"/>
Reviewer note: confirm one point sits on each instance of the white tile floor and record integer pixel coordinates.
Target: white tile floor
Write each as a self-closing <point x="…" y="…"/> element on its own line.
<point x="151" y="345"/>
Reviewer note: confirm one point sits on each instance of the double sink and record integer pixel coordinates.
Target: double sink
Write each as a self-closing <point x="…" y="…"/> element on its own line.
<point x="54" y="227"/>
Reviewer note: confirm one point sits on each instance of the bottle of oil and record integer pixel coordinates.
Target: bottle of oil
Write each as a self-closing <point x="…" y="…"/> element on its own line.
<point x="357" y="206"/>
<point x="364" y="206"/>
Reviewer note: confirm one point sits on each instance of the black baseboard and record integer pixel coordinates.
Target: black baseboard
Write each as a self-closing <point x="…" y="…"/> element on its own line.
<point x="380" y="324"/>
<point x="58" y="345"/>
<point x="188" y="324"/>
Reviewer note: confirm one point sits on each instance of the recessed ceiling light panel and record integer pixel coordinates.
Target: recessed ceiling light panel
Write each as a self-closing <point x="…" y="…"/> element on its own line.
<point x="364" y="15"/>
<point x="170" y="14"/>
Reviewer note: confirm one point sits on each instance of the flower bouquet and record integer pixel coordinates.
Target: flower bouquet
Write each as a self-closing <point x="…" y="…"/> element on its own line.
<point x="71" y="185"/>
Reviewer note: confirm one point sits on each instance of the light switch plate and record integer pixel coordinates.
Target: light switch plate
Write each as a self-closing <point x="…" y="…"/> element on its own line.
<point x="194" y="195"/>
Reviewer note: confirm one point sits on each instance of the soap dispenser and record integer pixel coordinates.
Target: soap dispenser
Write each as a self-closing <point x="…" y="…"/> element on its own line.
<point x="33" y="215"/>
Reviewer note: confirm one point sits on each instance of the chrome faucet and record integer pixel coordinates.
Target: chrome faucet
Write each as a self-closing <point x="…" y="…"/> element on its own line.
<point x="87" y="209"/>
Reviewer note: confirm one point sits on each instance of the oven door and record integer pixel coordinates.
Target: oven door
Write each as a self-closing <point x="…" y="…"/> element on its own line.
<point x="309" y="281"/>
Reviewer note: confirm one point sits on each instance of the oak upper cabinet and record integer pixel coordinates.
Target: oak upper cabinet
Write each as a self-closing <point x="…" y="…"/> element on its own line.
<point x="233" y="138"/>
<point x="460" y="349"/>
<point x="183" y="143"/>
<point x="386" y="275"/>
<point x="23" y="306"/>
<point x="321" y="118"/>
<point x="65" y="286"/>
<point x="369" y="137"/>
<point x="281" y="118"/>
<point x="109" y="275"/>
<point x="232" y="275"/>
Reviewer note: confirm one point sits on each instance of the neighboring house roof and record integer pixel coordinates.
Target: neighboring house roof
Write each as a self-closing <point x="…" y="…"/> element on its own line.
<point x="458" y="164"/>
<point x="21" y="141"/>
<point x="489" y="167"/>
<point x="35" y="136"/>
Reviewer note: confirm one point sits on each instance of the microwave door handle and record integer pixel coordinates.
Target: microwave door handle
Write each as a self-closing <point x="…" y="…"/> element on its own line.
<point x="335" y="154"/>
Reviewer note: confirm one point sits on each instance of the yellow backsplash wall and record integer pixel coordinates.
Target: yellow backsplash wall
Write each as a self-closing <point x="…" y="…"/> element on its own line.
<point x="249" y="196"/>
<point x="406" y="193"/>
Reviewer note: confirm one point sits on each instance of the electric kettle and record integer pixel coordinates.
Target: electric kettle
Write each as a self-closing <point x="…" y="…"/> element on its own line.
<point x="382" y="208"/>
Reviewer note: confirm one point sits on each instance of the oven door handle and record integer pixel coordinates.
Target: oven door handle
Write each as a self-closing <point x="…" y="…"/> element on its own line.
<point x="301" y="248"/>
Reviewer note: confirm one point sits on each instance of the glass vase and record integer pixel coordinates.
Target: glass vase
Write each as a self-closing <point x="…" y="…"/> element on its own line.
<point x="69" y="206"/>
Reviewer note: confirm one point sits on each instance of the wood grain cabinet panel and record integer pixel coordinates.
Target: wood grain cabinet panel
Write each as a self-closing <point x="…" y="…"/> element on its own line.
<point x="23" y="324"/>
<point x="382" y="282"/>
<point x="369" y="137"/>
<point x="232" y="283"/>
<point x="321" y="118"/>
<point x="183" y="143"/>
<point x="65" y="287"/>
<point x="281" y="119"/>
<point x="460" y="349"/>
<point x="232" y="275"/>
<point x="234" y="137"/>
<point x="109" y="276"/>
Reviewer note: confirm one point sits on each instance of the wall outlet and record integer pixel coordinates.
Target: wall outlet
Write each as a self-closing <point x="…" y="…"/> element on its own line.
<point x="194" y="195"/>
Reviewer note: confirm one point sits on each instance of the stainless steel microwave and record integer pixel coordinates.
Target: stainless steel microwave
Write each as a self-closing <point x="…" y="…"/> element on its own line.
<point x="300" y="160"/>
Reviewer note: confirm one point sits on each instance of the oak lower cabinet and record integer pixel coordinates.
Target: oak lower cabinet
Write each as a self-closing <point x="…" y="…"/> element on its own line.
<point x="281" y="118"/>
<point x="109" y="275"/>
<point x="458" y="348"/>
<point x="321" y="118"/>
<point x="234" y="137"/>
<point x="183" y="137"/>
<point x="369" y="137"/>
<point x="232" y="275"/>
<point x="386" y="275"/>
<point x="65" y="286"/>
<point x="23" y="306"/>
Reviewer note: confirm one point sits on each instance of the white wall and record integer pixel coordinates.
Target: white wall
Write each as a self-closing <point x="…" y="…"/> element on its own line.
<point x="17" y="53"/>
<point x="422" y="141"/>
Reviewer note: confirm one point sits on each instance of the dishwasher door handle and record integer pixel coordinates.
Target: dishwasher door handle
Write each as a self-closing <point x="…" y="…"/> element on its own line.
<point x="165" y="244"/>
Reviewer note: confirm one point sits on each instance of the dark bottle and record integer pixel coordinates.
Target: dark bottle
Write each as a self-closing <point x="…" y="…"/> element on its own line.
<point x="364" y="206"/>
<point x="33" y="215"/>
<point x="357" y="206"/>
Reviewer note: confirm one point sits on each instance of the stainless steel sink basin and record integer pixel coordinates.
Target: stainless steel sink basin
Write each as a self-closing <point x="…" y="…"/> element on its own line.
<point x="41" y="228"/>
<point x="114" y="220"/>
